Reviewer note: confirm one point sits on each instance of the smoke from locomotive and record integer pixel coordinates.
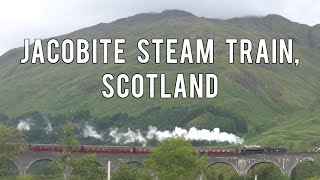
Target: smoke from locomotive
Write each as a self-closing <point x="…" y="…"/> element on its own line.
<point x="192" y="134"/>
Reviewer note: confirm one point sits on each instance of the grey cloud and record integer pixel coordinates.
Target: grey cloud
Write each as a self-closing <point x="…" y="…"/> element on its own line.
<point x="42" y="19"/>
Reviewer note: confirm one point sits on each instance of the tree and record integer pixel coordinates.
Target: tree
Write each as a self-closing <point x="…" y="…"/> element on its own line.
<point x="45" y="169"/>
<point x="314" y="178"/>
<point x="26" y="177"/>
<point x="11" y="144"/>
<point x="176" y="159"/>
<point x="127" y="171"/>
<point x="84" y="167"/>
<point x="68" y="142"/>
<point x="266" y="171"/>
<point x="305" y="170"/>
<point x="221" y="171"/>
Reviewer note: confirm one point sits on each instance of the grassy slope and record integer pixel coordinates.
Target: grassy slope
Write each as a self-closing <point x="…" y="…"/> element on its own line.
<point x="300" y="129"/>
<point x="268" y="96"/>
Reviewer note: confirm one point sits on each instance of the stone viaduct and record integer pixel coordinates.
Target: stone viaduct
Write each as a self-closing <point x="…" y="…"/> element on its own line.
<point x="241" y="163"/>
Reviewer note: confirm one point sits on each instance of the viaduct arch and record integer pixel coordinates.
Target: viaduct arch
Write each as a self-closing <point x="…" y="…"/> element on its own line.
<point x="241" y="163"/>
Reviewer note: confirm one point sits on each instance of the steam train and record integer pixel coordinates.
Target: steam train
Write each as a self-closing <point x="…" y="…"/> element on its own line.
<point x="261" y="150"/>
<point x="146" y="150"/>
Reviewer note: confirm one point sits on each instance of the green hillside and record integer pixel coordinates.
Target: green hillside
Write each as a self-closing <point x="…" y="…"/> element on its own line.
<point x="294" y="132"/>
<point x="276" y="100"/>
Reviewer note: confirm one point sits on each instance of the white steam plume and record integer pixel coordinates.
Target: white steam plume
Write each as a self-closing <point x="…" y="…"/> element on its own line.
<point x="24" y="125"/>
<point x="192" y="134"/>
<point x="89" y="131"/>
<point x="128" y="137"/>
<point x="49" y="125"/>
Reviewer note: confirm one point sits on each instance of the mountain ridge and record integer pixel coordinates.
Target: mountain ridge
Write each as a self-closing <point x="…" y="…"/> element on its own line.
<point x="179" y="14"/>
<point x="266" y="95"/>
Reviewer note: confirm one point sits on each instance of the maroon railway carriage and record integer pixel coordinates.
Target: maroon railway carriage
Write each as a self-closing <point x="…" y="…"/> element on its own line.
<point x="45" y="147"/>
<point x="211" y="151"/>
<point x="86" y="148"/>
<point x="122" y="149"/>
<point x="116" y="149"/>
<point x="107" y="149"/>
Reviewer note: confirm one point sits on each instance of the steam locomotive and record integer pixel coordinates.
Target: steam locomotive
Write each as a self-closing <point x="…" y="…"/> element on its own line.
<point x="261" y="150"/>
<point x="146" y="150"/>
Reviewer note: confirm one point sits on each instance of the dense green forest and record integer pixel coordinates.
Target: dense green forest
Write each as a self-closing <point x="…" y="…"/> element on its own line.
<point x="46" y="128"/>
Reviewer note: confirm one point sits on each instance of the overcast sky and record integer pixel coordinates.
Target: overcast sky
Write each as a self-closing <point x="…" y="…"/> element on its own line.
<point x="20" y="19"/>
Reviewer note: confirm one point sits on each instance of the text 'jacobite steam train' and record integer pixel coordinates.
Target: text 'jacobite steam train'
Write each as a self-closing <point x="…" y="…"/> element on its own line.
<point x="146" y="150"/>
